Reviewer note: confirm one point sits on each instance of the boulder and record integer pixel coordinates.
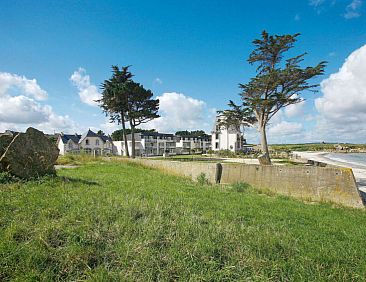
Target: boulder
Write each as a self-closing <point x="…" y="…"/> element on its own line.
<point x="263" y="160"/>
<point x="5" y="140"/>
<point x="29" y="154"/>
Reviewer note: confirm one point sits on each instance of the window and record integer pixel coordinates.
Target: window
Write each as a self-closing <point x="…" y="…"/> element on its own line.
<point x="97" y="142"/>
<point x="217" y="136"/>
<point x="70" y="145"/>
<point x="217" y="145"/>
<point x="87" y="142"/>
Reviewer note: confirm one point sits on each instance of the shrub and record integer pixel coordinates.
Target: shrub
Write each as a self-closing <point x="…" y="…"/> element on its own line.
<point x="6" y="177"/>
<point x="202" y="180"/>
<point x="240" y="187"/>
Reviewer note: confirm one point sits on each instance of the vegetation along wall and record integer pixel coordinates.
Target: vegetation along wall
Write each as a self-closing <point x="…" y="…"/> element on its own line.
<point x="332" y="184"/>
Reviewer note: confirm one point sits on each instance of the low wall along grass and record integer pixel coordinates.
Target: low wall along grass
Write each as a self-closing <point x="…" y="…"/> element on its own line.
<point x="335" y="185"/>
<point x="109" y="221"/>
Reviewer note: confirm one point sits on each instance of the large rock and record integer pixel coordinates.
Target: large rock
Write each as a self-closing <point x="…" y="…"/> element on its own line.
<point x="29" y="154"/>
<point x="5" y="140"/>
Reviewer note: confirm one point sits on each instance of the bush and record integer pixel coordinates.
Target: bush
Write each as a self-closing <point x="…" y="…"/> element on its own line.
<point x="240" y="187"/>
<point x="202" y="180"/>
<point x="6" y="177"/>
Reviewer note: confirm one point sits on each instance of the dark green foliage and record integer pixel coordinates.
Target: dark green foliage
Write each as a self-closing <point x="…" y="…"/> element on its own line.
<point x="118" y="134"/>
<point x="124" y="100"/>
<point x="142" y="108"/>
<point x="278" y="83"/>
<point x="193" y="133"/>
<point x="202" y="179"/>
<point x="241" y="187"/>
<point x="6" y="177"/>
<point x="114" y="101"/>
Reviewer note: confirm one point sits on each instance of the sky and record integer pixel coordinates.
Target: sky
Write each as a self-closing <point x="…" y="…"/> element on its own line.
<point x="54" y="55"/>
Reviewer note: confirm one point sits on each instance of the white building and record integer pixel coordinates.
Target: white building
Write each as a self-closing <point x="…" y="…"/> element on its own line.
<point x="226" y="138"/>
<point x="148" y="144"/>
<point x="89" y="142"/>
<point x="187" y="144"/>
<point x="157" y="144"/>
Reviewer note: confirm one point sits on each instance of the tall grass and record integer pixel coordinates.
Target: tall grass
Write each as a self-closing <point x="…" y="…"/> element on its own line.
<point x="117" y="222"/>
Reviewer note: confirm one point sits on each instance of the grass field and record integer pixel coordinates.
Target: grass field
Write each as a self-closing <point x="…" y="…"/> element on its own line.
<point x="123" y="222"/>
<point x="313" y="147"/>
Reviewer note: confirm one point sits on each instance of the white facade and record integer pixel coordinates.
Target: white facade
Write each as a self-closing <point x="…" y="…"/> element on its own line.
<point x="226" y="138"/>
<point x="193" y="144"/>
<point x="157" y="144"/>
<point x="89" y="142"/>
<point x="148" y="144"/>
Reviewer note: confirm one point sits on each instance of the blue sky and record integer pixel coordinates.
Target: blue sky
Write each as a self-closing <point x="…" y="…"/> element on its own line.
<point x="192" y="54"/>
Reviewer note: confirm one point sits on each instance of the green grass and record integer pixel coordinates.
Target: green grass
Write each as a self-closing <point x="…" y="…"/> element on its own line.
<point x="313" y="147"/>
<point x="122" y="222"/>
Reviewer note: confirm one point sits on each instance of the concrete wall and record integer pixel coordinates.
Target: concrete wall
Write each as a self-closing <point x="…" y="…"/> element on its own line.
<point x="187" y="169"/>
<point x="336" y="185"/>
<point x="311" y="183"/>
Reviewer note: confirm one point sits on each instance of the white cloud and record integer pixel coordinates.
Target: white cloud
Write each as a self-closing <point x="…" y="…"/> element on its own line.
<point x="88" y="92"/>
<point x="352" y="10"/>
<point x="19" y="107"/>
<point x="22" y="109"/>
<point x="180" y="112"/>
<point x="285" y="128"/>
<point x="158" y="81"/>
<point x="295" y="109"/>
<point x="29" y="87"/>
<point x="342" y="108"/>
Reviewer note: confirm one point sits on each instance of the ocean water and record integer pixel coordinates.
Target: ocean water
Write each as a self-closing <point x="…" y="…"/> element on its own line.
<point x="356" y="159"/>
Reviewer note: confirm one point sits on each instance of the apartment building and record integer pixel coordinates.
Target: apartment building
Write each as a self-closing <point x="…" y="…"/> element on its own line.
<point x="158" y="144"/>
<point x="188" y="144"/>
<point x="148" y="144"/>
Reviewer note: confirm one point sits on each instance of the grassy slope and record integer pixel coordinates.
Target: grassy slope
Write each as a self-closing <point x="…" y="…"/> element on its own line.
<point x="124" y="222"/>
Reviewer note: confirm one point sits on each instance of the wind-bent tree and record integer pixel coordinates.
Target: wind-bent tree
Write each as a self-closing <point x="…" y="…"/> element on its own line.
<point x="114" y="100"/>
<point x="117" y="135"/>
<point x="278" y="83"/>
<point x="141" y="107"/>
<point x="100" y="132"/>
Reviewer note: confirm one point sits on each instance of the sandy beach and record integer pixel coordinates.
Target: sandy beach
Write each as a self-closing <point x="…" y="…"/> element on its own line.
<point x="358" y="171"/>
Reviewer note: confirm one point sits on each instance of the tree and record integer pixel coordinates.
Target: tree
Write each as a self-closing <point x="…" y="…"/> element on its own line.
<point x="195" y="133"/>
<point x="141" y="107"/>
<point x="100" y="132"/>
<point x="114" y="100"/>
<point x="117" y="135"/>
<point x="277" y="84"/>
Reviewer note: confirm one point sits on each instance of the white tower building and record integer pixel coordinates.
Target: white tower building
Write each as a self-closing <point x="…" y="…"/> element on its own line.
<point x="226" y="138"/>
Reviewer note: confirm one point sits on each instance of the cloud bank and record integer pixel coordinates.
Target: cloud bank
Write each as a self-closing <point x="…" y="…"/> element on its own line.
<point x="342" y="108"/>
<point x="181" y="112"/>
<point x="20" y="106"/>
<point x="88" y="92"/>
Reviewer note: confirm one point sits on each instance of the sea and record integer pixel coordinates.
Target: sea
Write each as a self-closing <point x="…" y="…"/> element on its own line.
<point x="355" y="159"/>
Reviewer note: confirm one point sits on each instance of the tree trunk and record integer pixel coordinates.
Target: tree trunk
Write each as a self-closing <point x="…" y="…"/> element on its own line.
<point x="124" y="134"/>
<point x="264" y="144"/>
<point x="133" y="139"/>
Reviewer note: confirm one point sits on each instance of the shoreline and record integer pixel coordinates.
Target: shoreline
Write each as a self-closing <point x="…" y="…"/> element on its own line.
<point x="358" y="172"/>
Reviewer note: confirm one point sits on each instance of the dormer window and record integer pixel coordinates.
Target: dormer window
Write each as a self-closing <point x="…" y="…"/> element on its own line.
<point x="97" y="142"/>
<point x="87" y="142"/>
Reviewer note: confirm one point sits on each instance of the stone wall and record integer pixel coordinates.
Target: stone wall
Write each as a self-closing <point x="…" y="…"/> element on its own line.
<point x="336" y="185"/>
